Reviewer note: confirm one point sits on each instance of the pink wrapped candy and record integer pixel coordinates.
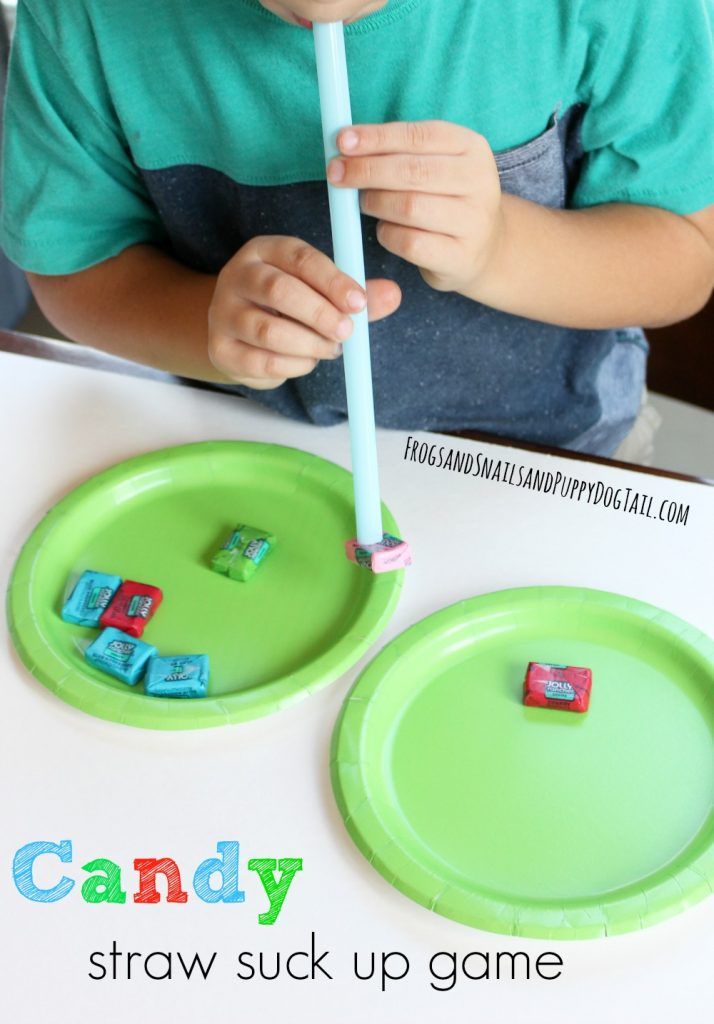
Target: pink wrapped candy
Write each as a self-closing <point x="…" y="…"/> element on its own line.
<point x="391" y="553"/>
<point x="565" y="687"/>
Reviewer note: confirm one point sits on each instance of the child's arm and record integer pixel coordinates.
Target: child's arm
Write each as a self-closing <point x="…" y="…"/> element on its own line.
<point x="435" y="189"/>
<point x="275" y="309"/>
<point x="140" y="305"/>
<point x="607" y="266"/>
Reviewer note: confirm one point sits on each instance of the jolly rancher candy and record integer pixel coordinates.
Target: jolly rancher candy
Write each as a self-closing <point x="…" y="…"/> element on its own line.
<point x="132" y="607"/>
<point x="389" y="554"/>
<point x="557" y="686"/>
<point x="243" y="552"/>
<point x="120" y="655"/>
<point x="90" y="597"/>
<point x="183" y="675"/>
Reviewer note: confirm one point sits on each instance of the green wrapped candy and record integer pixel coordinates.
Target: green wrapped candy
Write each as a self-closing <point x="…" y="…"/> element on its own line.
<point x="243" y="552"/>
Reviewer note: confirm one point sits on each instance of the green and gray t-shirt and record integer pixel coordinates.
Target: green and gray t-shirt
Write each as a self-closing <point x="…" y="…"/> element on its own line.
<point x="195" y="126"/>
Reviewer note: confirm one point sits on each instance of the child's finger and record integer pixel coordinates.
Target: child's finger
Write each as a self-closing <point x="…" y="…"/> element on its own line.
<point x="406" y="137"/>
<point x="443" y="214"/>
<point x="244" y="362"/>
<point x="266" y="285"/>
<point x="263" y="329"/>
<point x="316" y="269"/>
<point x="385" y="298"/>
<point x="445" y="175"/>
<point x="424" y="249"/>
<point x="260" y="385"/>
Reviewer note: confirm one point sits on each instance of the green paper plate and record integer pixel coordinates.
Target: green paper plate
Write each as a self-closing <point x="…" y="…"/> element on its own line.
<point x="300" y="623"/>
<point x="531" y="821"/>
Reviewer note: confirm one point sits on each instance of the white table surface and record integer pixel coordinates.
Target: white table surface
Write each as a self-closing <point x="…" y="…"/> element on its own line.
<point x="685" y="440"/>
<point x="122" y="793"/>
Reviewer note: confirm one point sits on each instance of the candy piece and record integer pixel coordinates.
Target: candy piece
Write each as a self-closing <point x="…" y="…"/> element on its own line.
<point x="132" y="607"/>
<point x="243" y="552"/>
<point x="392" y="553"/>
<point x="120" y="655"/>
<point x="557" y="686"/>
<point x="183" y="675"/>
<point x="91" y="595"/>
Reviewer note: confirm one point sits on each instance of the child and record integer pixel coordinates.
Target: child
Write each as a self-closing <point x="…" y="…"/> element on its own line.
<point x="535" y="179"/>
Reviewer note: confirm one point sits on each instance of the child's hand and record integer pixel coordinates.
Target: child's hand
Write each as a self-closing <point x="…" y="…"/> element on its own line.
<point x="435" y="190"/>
<point x="280" y="306"/>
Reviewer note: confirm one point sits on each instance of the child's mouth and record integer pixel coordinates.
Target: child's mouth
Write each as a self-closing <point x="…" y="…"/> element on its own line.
<point x="302" y="21"/>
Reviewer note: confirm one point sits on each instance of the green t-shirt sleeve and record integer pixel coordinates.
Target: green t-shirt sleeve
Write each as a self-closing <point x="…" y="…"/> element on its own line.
<point x="648" y="133"/>
<point x="71" y="194"/>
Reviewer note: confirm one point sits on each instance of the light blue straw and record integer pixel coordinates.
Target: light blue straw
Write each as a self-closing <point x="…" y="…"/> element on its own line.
<point x="349" y="257"/>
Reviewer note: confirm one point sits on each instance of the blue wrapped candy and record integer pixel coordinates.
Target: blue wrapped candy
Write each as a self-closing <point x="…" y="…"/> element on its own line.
<point x="183" y="675"/>
<point x="120" y="655"/>
<point x="90" y="597"/>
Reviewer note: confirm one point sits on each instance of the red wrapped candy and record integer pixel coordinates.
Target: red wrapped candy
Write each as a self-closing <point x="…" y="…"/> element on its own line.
<point x="132" y="607"/>
<point x="557" y="686"/>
